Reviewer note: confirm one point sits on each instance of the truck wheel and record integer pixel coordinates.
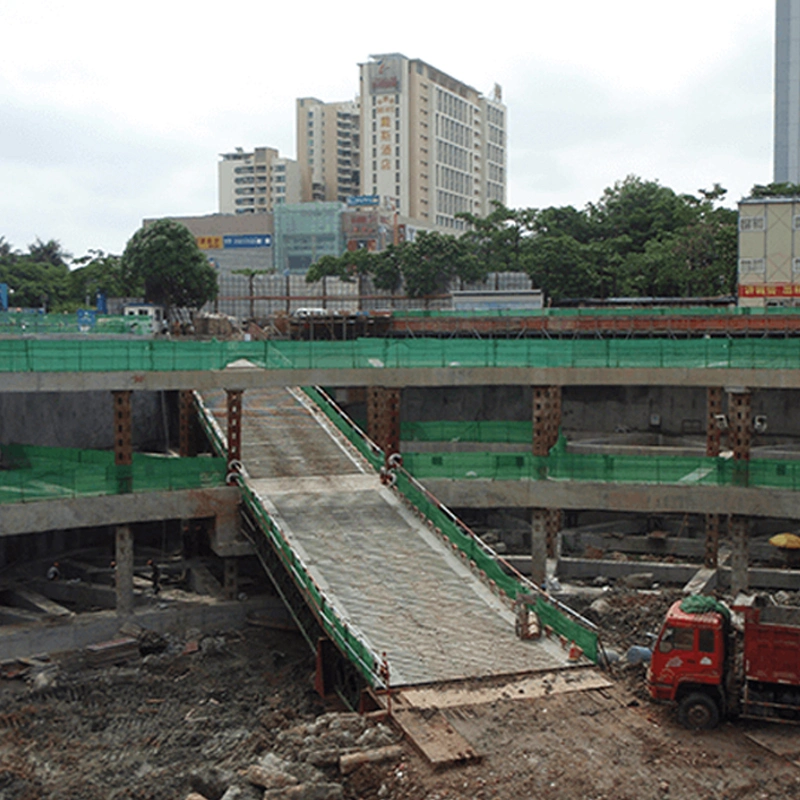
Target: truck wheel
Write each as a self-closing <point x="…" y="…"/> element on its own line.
<point x="698" y="712"/>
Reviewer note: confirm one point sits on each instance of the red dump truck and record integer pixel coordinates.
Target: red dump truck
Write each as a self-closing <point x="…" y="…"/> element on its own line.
<point x="711" y="671"/>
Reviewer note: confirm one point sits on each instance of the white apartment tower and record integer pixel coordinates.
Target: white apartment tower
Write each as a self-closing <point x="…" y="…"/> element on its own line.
<point x="433" y="145"/>
<point x="328" y="149"/>
<point x="255" y="182"/>
<point x="787" y="92"/>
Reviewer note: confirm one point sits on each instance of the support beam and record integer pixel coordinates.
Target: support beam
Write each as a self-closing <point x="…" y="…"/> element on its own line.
<point x="546" y="418"/>
<point x="553" y="524"/>
<point x="740" y="433"/>
<point x="738" y="528"/>
<point x="231" y="587"/>
<point x="383" y="418"/>
<point x="188" y="439"/>
<point x="539" y="545"/>
<point x="713" y="429"/>
<point x="124" y="576"/>
<point x="711" y="554"/>
<point x="234" y="397"/>
<point x="123" y="440"/>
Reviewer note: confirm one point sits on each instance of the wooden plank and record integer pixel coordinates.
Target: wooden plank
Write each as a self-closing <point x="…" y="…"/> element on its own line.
<point x="779" y="739"/>
<point x="438" y="741"/>
<point x="519" y="687"/>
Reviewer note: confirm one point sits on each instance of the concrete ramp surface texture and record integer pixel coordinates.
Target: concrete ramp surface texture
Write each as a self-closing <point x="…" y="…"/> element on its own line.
<point x="389" y="577"/>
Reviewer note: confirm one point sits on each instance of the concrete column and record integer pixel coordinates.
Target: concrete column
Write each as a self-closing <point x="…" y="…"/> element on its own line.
<point x="383" y="418"/>
<point x="188" y="441"/>
<point x="554" y="517"/>
<point x="713" y="429"/>
<point x="740" y="428"/>
<point x="231" y="586"/>
<point x="123" y="440"/>
<point x="124" y="579"/>
<point x="539" y="545"/>
<point x="712" y="541"/>
<point x="546" y="418"/>
<point x="234" y="397"/>
<point x="738" y="528"/>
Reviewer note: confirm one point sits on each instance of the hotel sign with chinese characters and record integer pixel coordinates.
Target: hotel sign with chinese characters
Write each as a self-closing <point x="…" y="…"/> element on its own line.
<point x="384" y="75"/>
<point x="385" y="111"/>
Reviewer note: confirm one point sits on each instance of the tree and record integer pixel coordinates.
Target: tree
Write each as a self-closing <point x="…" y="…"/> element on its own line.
<point x="173" y="271"/>
<point x="251" y="275"/>
<point x="98" y="272"/>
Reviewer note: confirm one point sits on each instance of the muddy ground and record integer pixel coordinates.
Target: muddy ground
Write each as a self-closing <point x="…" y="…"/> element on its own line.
<point x="169" y="723"/>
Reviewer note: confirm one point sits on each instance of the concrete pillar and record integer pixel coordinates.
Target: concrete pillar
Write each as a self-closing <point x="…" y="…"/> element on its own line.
<point x="546" y="418"/>
<point x="188" y="440"/>
<point x="713" y="429"/>
<point x="231" y="586"/>
<point x="539" y="545"/>
<point x="123" y="440"/>
<point x="124" y="578"/>
<point x="738" y="528"/>
<point x="383" y="418"/>
<point x="712" y="541"/>
<point x="554" y="518"/>
<point x="234" y="397"/>
<point x="740" y="428"/>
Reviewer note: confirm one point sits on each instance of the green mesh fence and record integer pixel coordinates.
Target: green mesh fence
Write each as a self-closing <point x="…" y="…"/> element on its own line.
<point x="680" y="470"/>
<point x="469" y="545"/>
<point x="45" y="473"/>
<point x="515" y="432"/>
<point x="18" y="323"/>
<point x="103" y="355"/>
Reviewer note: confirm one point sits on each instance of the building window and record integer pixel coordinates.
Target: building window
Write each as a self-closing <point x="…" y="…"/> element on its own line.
<point x="751" y="223"/>
<point x="750" y="266"/>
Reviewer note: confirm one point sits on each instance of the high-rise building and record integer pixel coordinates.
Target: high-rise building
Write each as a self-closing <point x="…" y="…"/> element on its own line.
<point x="328" y="149"/>
<point x="254" y="183"/>
<point x="431" y="143"/>
<point x="787" y="92"/>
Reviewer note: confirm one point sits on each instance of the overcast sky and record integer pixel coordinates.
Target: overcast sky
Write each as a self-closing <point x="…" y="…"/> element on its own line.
<point x="113" y="112"/>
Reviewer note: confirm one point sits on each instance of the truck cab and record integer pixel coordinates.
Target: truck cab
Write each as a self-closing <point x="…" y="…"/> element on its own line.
<point x="689" y="666"/>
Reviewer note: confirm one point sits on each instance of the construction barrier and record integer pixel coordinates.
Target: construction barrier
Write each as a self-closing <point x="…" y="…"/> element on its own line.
<point x="510" y="432"/>
<point x="29" y="474"/>
<point x="34" y="322"/>
<point x="143" y="355"/>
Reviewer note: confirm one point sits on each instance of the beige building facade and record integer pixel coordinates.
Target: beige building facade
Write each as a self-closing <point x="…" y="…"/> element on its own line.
<point x="769" y="251"/>
<point x="328" y="149"/>
<point x="432" y="144"/>
<point x="255" y="182"/>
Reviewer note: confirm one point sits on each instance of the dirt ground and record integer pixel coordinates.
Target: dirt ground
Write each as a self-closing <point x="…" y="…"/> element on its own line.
<point x="173" y="722"/>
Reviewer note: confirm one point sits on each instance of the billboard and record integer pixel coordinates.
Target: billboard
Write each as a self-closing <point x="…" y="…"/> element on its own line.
<point x="364" y="200"/>
<point x="385" y="74"/>
<point x="239" y="240"/>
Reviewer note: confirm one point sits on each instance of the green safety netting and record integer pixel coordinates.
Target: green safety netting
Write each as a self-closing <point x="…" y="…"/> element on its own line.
<point x="16" y="323"/>
<point x="681" y="470"/>
<point x="104" y="355"/>
<point x="467" y="544"/>
<point x="511" y="432"/>
<point x="31" y="473"/>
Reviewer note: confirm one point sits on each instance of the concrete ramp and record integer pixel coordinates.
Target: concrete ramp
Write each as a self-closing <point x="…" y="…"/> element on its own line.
<point x="387" y="574"/>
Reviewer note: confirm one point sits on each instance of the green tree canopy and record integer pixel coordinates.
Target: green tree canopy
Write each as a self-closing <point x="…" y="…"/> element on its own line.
<point x="164" y="258"/>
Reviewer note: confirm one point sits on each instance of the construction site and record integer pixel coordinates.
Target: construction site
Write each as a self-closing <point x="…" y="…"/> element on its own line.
<point x="404" y="555"/>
